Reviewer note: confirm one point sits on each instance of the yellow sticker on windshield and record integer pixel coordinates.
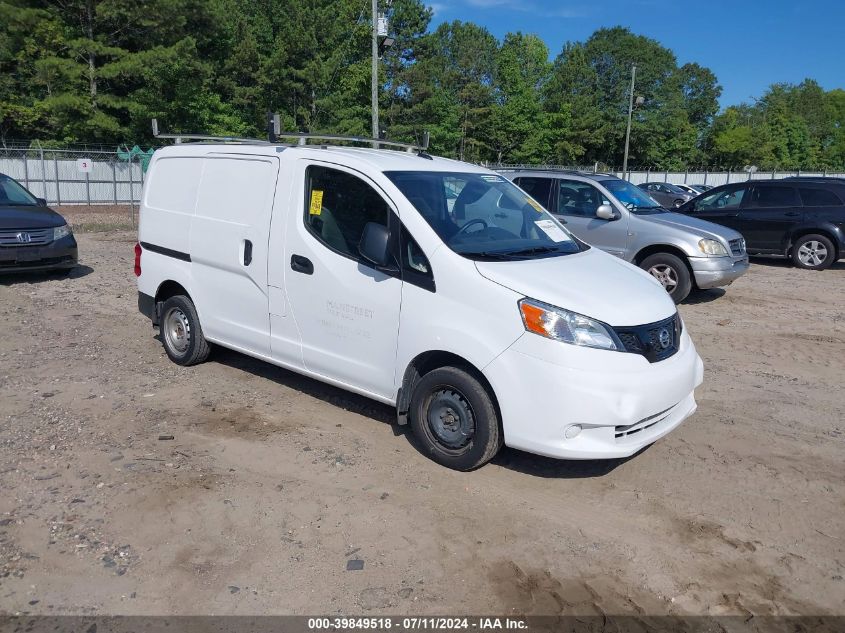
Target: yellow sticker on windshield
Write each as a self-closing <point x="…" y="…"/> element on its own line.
<point x="535" y="204"/>
<point x="316" y="202"/>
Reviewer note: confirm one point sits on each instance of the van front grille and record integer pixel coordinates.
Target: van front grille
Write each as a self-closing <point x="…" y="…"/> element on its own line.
<point x="656" y="341"/>
<point x="25" y="237"/>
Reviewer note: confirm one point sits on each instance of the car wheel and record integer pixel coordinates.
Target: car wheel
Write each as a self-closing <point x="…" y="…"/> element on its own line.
<point x="813" y="252"/>
<point x="181" y="332"/>
<point x="678" y="203"/>
<point x="671" y="271"/>
<point x="454" y="419"/>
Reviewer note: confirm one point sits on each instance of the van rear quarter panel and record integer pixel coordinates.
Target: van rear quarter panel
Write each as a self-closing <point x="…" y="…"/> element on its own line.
<point x="169" y="202"/>
<point x="167" y="209"/>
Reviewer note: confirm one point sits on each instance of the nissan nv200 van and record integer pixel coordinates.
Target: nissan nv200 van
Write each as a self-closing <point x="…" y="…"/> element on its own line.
<point x="435" y="286"/>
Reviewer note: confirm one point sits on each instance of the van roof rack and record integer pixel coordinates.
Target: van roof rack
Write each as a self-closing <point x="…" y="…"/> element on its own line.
<point x="206" y="137"/>
<point x="301" y="139"/>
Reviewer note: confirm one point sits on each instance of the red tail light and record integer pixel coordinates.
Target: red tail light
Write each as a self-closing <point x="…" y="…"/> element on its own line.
<point x="138" y="252"/>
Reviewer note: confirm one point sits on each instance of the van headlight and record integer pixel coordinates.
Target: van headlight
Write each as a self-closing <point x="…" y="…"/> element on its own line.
<point x="61" y="231"/>
<point x="712" y="247"/>
<point x="563" y="325"/>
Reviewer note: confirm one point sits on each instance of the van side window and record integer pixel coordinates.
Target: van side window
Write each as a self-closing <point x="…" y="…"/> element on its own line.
<point x="337" y="207"/>
<point x="415" y="266"/>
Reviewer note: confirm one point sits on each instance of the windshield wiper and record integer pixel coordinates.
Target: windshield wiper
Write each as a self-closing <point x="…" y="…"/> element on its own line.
<point x="487" y="255"/>
<point x="535" y="250"/>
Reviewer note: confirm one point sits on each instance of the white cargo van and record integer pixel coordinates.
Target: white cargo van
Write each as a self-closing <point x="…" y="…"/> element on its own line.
<point x="429" y="284"/>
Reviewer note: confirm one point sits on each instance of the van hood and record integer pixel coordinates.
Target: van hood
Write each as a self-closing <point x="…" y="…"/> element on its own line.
<point x="28" y="217"/>
<point x="591" y="283"/>
<point x="688" y="224"/>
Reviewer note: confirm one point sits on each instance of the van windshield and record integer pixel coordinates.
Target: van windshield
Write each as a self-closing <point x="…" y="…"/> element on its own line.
<point x="633" y="198"/>
<point x="485" y="216"/>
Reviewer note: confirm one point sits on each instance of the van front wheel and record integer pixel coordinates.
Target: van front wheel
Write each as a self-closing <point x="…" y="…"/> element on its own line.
<point x="455" y="419"/>
<point x="181" y="333"/>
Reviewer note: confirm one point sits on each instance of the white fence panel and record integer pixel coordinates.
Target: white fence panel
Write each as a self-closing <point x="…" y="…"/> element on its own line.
<point x="55" y="176"/>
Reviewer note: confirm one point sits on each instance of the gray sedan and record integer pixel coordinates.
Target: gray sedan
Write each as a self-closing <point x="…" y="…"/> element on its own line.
<point x="669" y="195"/>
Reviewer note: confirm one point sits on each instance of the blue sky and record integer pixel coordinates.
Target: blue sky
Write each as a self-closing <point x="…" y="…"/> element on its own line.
<point x="749" y="44"/>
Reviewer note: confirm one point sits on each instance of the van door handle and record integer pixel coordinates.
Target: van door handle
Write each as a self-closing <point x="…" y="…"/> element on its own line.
<point x="247" y="252"/>
<point x="301" y="264"/>
<point x="792" y="214"/>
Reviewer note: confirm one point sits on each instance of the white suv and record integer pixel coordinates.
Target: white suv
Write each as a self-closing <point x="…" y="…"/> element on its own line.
<point x="429" y="284"/>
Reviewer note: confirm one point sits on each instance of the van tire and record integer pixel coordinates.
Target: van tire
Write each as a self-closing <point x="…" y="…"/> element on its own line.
<point x="809" y="249"/>
<point x="181" y="332"/>
<point x="471" y="436"/>
<point x="670" y="270"/>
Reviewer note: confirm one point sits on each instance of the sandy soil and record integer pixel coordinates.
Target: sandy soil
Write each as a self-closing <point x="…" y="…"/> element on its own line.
<point x="274" y="482"/>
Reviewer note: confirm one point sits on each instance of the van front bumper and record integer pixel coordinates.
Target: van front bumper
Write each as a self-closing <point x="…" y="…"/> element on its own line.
<point x="57" y="255"/>
<point x="713" y="272"/>
<point x="619" y="401"/>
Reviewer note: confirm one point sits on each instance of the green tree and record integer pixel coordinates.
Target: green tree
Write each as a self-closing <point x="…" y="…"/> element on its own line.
<point x="449" y="89"/>
<point x="515" y="126"/>
<point x="593" y="78"/>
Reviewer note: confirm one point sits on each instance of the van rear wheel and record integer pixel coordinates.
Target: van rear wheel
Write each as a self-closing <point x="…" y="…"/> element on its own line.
<point x="181" y="332"/>
<point x="454" y="418"/>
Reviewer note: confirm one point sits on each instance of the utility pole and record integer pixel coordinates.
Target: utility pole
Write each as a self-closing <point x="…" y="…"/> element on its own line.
<point x="374" y="85"/>
<point x="630" y="113"/>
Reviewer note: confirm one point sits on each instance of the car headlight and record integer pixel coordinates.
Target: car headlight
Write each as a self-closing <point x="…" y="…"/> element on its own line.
<point x="563" y="325"/>
<point x="61" y="231"/>
<point x="712" y="247"/>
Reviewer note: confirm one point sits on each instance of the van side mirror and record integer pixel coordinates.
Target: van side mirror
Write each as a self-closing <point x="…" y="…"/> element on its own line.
<point x="606" y="212"/>
<point x="375" y="244"/>
<point x="42" y="202"/>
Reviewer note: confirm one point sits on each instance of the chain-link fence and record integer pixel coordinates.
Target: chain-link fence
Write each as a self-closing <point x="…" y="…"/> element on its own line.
<point x="704" y="176"/>
<point x="65" y="177"/>
<point x="97" y="177"/>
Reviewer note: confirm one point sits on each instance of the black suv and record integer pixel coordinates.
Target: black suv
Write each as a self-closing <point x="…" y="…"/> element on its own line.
<point x="802" y="218"/>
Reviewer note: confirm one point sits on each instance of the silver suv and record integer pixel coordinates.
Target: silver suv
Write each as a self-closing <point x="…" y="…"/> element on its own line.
<point x="612" y="214"/>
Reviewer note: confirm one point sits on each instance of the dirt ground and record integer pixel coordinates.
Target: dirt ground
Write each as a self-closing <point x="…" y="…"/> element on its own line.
<point x="273" y="482"/>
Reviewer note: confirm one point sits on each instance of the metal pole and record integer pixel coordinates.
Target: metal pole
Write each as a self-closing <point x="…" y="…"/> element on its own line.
<point x="26" y="169"/>
<point x="131" y="192"/>
<point x="114" y="179"/>
<point x="88" y="188"/>
<point x="374" y="82"/>
<point x="43" y="171"/>
<point x="56" y="171"/>
<point x="630" y="113"/>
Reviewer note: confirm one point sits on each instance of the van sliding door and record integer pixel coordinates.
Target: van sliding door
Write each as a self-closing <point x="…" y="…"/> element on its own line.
<point x="229" y="238"/>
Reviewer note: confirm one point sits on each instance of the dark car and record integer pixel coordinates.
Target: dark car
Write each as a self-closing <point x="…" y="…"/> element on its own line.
<point x="801" y="218"/>
<point x="669" y="195"/>
<point x="32" y="236"/>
